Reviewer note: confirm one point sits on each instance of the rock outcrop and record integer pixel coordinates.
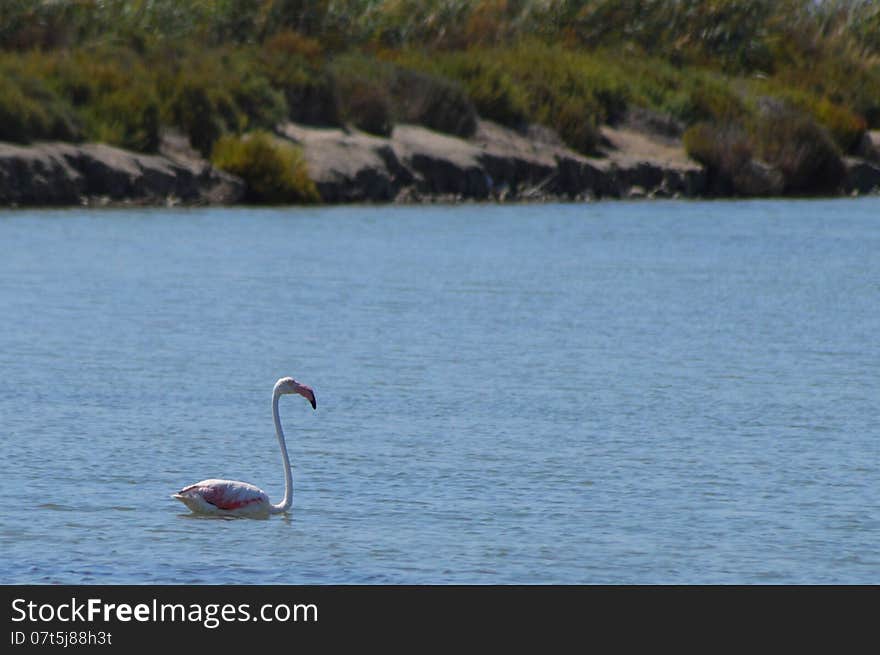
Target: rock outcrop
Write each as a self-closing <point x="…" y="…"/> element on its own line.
<point x="73" y="174"/>
<point x="862" y="175"/>
<point x="349" y="166"/>
<point x="642" y="157"/>
<point x="869" y="146"/>
<point x="656" y="164"/>
<point x="416" y="164"/>
<point x="863" y="170"/>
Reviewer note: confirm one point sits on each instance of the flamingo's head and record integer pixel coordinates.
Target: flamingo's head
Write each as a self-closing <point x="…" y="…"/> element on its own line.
<point x="289" y="385"/>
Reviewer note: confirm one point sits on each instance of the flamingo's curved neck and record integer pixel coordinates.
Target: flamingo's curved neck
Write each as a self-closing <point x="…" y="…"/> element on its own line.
<point x="287" y="501"/>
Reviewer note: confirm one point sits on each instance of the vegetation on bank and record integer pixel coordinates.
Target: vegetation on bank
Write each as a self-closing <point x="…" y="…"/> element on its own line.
<point x="273" y="170"/>
<point x="788" y="84"/>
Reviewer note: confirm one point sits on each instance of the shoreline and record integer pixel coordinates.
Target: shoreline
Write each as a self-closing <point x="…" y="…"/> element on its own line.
<point x="413" y="165"/>
<point x="115" y="206"/>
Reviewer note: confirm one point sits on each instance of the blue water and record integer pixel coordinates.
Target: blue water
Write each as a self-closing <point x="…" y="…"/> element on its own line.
<point x="656" y="392"/>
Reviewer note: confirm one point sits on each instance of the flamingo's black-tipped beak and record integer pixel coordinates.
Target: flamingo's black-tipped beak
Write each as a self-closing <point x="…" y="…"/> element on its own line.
<point x="307" y="393"/>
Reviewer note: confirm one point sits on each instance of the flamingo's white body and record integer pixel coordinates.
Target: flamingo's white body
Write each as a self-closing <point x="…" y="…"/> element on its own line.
<point x="234" y="498"/>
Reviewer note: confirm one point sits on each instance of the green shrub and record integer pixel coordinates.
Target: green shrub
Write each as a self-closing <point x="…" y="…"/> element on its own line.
<point x="29" y="111"/>
<point x="295" y="68"/>
<point x="847" y="80"/>
<point x="21" y="118"/>
<point x="220" y="92"/>
<point x="109" y="92"/>
<point x="801" y="148"/>
<point x="706" y="99"/>
<point x="374" y="94"/>
<point x="725" y="151"/>
<point x="575" y="126"/>
<point x="572" y="92"/>
<point x="437" y="103"/>
<point x="194" y="108"/>
<point x="313" y="102"/>
<point x="786" y="138"/>
<point x="367" y="107"/>
<point x="493" y="91"/>
<point x="257" y="103"/>
<point x="128" y="118"/>
<point x="363" y="91"/>
<point x="845" y="127"/>
<point x="273" y="170"/>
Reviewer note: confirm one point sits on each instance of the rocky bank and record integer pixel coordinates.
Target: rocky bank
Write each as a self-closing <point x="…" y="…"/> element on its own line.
<point x="96" y="174"/>
<point x="416" y="164"/>
<point x="639" y="158"/>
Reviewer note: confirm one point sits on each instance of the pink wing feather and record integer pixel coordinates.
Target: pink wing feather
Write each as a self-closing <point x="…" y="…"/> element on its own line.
<point x="227" y="494"/>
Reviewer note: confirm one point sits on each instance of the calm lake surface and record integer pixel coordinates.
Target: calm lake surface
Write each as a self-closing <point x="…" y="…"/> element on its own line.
<point x="655" y="392"/>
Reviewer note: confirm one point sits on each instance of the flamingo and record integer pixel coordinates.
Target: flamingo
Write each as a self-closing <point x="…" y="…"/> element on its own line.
<point x="234" y="498"/>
